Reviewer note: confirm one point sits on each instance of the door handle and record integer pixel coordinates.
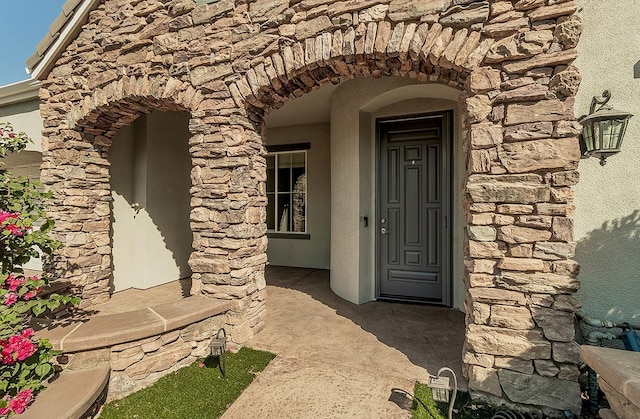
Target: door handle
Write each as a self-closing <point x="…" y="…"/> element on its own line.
<point x="383" y="231"/>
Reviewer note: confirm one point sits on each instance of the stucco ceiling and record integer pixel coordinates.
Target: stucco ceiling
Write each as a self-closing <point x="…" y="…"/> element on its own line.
<point x="310" y="108"/>
<point x="315" y="106"/>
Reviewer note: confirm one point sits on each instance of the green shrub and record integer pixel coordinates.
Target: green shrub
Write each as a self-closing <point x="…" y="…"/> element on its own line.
<point x="25" y="362"/>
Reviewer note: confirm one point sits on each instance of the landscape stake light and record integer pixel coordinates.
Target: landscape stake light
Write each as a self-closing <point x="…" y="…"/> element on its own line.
<point x="441" y="390"/>
<point x="218" y="347"/>
<point x="603" y="129"/>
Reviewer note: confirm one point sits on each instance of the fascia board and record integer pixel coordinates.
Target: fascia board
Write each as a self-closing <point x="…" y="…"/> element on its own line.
<point x="69" y="31"/>
<point x="19" y="92"/>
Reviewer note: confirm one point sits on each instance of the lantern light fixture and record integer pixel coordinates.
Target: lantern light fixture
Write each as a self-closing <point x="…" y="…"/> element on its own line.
<point x="441" y="389"/>
<point x="603" y="129"/>
<point x="218" y="346"/>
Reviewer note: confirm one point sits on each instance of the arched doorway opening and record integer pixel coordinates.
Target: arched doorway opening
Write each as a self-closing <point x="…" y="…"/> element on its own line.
<point x="127" y="196"/>
<point x="149" y="171"/>
<point x="331" y="137"/>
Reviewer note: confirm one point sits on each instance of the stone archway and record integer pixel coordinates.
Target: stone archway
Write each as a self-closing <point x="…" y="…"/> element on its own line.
<point x="82" y="202"/>
<point x="228" y="64"/>
<point x="518" y="247"/>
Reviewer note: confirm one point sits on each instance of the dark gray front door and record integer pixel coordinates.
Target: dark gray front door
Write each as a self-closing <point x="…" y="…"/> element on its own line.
<point x="413" y="223"/>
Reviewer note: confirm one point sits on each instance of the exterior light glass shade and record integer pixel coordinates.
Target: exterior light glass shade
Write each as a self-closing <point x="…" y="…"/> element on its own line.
<point x="440" y="388"/>
<point x="603" y="130"/>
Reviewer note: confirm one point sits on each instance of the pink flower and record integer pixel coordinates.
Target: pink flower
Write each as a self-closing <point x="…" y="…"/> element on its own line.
<point x="4" y="411"/>
<point x="17" y="347"/>
<point x="5" y="215"/>
<point x="10" y="299"/>
<point x="14" y="230"/>
<point x="14" y="282"/>
<point x="19" y="403"/>
<point x="25" y="349"/>
<point x="29" y="295"/>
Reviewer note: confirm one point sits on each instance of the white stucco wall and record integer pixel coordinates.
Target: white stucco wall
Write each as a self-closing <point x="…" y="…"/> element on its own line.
<point x="315" y="252"/>
<point x="346" y="172"/>
<point x="150" y="167"/>
<point x="607" y="215"/>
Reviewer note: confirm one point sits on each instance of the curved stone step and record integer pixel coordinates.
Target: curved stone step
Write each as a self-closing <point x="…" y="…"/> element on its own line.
<point x="112" y="329"/>
<point x="71" y="395"/>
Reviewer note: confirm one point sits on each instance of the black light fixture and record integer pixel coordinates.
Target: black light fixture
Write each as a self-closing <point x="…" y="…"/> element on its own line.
<point x="603" y="129"/>
<point x="218" y="346"/>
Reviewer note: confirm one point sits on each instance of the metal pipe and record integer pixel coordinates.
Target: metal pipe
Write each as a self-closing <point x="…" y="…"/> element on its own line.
<point x="595" y="336"/>
<point x="589" y="321"/>
<point x="592" y="380"/>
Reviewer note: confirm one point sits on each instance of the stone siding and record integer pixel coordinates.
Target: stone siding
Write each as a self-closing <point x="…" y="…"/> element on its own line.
<point x="230" y="63"/>
<point x="138" y="364"/>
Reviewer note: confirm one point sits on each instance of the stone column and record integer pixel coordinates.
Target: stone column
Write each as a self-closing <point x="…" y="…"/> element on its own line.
<point x="228" y="218"/>
<point x="523" y="153"/>
<point x="76" y="170"/>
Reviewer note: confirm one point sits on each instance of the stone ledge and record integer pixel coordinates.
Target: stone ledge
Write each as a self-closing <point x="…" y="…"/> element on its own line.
<point x="113" y="329"/>
<point x="620" y="370"/>
<point x="71" y="395"/>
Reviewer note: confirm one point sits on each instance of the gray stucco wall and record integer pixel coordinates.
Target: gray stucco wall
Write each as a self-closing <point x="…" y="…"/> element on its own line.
<point x="25" y="116"/>
<point x="150" y="168"/>
<point x="607" y="216"/>
<point x="315" y="252"/>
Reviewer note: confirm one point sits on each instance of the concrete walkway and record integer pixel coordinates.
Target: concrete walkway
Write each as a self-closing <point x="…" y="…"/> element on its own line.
<point x="340" y="360"/>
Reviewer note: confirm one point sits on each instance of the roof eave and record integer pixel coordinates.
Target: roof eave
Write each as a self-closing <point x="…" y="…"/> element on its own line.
<point x="40" y="66"/>
<point x="19" y="92"/>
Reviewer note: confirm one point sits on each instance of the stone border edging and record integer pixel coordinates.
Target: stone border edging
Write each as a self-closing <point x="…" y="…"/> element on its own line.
<point x="71" y="395"/>
<point x="112" y="329"/>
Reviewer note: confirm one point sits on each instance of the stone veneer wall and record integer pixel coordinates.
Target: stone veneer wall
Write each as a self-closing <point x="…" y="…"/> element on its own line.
<point x="228" y="63"/>
<point x="138" y="364"/>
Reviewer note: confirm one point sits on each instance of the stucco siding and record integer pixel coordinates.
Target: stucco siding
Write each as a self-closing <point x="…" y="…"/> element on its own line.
<point x="25" y="116"/>
<point x="150" y="190"/>
<point x="607" y="215"/>
<point x="315" y="252"/>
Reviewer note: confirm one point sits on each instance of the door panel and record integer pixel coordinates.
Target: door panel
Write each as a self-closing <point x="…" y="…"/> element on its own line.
<point x="413" y="194"/>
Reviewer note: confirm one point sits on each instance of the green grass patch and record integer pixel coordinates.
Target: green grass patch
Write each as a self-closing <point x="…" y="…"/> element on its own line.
<point x="193" y="392"/>
<point x="425" y="408"/>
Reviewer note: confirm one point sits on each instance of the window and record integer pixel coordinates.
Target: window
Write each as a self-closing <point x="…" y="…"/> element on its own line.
<point x="287" y="190"/>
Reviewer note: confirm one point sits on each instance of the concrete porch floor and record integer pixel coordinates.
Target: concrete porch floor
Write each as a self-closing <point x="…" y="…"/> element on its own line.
<point x="336" y="359"/>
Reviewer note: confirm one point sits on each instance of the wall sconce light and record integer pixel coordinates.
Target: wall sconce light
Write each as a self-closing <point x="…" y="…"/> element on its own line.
<point x="603" y="129"/>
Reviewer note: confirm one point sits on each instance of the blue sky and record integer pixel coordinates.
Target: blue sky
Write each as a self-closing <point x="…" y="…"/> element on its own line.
<point x="24" y="23"/>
